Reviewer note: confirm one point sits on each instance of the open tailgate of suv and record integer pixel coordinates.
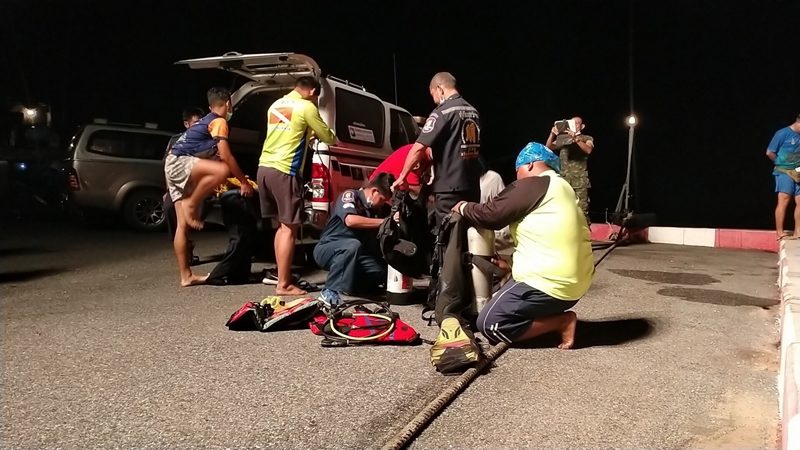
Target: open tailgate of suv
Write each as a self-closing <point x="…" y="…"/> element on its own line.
<point x="267" y="68"/>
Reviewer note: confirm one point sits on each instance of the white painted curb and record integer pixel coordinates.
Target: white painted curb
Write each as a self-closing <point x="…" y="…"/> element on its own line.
<point x="703" y="237"/>
<point x="789" y="374"/>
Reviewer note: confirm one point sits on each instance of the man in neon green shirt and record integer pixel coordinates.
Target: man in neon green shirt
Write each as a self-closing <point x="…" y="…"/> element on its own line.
<point x="291" y="123"/>
<point x="553" y="265"/>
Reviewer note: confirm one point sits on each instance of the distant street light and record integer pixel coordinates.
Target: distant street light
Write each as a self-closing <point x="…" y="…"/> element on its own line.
<point x="30" y="115"/>
<point x="625" y="195"/>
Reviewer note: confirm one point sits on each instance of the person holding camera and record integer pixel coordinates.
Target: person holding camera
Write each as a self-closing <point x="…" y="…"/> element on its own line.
<point x="574" y="147"/>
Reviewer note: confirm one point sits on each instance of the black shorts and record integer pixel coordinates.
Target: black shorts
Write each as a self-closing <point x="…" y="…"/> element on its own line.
<point x="280" y="195"/>
<point x="513" y="308"/>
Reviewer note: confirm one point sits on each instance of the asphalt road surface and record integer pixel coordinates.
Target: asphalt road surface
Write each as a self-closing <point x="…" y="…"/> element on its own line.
<point x="102" y="349"/>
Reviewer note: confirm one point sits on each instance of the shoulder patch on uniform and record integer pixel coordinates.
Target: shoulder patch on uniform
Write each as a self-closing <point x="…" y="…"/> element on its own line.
<point x="470" y="132"/>
<point x="429" y="124"/>
<point x="348" y="197"/>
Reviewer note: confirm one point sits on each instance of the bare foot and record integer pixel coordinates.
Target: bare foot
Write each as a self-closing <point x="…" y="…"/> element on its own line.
<point x="191" y="215"/>
<point x="568" y="331"/>
<point x="289" y="290"/>
<point x="194" y="280"/>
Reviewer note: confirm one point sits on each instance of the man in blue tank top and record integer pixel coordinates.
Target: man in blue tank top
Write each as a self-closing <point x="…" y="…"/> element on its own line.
<point x="784" y="151"/>
<point x="198" y="162"/>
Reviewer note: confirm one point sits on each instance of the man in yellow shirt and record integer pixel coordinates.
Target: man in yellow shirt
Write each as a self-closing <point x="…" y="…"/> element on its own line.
<point x="553" y="265"/>
<point x="291" y="123"/>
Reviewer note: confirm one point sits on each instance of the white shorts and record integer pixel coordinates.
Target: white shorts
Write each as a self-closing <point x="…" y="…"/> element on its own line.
<point x="178" y="171"/>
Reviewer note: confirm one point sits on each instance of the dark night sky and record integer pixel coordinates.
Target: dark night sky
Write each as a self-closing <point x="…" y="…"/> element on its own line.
<point x="712" y="80"/>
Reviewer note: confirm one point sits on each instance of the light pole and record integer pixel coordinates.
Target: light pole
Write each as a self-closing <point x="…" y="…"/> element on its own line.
<point x="625" y="195"/>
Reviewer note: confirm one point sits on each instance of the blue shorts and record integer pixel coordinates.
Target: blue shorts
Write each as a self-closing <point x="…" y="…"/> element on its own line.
<point x="513" y="308"/>
<point x="784" y="183"/>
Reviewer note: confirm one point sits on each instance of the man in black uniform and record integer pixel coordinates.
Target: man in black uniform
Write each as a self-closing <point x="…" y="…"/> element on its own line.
<point x="452" y="138"/>
<point x="453" y="135"/>
<point x="348" y="246"/>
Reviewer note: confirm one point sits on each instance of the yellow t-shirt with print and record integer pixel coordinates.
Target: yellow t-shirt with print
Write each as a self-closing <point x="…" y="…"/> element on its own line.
<point x="291" y="121"/>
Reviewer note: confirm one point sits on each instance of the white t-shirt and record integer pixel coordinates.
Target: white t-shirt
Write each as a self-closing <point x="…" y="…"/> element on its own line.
<point x="491" y="185"/>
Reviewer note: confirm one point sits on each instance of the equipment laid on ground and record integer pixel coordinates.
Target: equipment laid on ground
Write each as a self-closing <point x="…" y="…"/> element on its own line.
<point x="359" y="322"/>
<point x="455" y="348"/>
<point x="273" y="313"/>
<point x="249" y="317"/>
<point x="353" y="322"/>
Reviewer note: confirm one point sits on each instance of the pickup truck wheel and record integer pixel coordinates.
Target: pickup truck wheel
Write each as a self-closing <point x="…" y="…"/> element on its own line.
<point x="143" y="210"/>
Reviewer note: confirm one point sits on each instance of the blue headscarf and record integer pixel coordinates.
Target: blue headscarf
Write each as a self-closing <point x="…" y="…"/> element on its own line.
<point x="535" y="151"/>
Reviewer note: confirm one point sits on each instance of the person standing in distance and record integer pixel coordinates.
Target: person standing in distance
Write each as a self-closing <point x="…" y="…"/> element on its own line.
<point x="574" y="148"/>
<point x="784" y="152"/>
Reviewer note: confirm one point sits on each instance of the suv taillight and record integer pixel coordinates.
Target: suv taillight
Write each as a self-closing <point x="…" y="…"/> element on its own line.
<point x="320" y="183"/>
<point x="72" y="180"/>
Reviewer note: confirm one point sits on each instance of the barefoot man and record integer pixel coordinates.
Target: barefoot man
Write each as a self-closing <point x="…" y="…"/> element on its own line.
<point x="552" y="265"/>
<point x="197" y="163"/>
<point x="784" y="152"/>
<point x="291" y="122"/>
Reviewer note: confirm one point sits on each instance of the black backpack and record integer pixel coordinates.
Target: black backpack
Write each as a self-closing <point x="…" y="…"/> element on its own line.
<point x="397" y="242"/>
<point x="451" y="290"/>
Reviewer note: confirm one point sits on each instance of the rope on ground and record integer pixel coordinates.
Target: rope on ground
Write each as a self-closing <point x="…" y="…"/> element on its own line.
<point x="432" y="409"/>
<point x="421" y="420"/>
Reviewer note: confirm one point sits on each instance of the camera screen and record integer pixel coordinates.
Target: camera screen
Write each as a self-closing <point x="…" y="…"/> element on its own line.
<point x="563" y="126"/>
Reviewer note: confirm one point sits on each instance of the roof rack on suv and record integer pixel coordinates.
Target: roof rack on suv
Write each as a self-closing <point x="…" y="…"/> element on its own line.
<point x="340" y="80"/>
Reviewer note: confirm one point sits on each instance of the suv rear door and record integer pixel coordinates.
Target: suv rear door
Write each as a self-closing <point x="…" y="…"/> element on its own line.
<point x="272" y="69"/>
<point x="267" y="73"/>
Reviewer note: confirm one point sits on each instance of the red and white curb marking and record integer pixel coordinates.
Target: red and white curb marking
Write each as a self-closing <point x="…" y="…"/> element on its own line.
<point x="703" y="237"/>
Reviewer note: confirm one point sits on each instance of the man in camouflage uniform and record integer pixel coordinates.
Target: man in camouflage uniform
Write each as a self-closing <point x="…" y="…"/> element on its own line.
<point x="574" y="149"/>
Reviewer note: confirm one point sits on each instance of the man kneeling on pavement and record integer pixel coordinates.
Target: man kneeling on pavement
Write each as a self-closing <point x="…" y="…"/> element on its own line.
<point x="552" y="264"/>
<point x="348" y="247"/>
